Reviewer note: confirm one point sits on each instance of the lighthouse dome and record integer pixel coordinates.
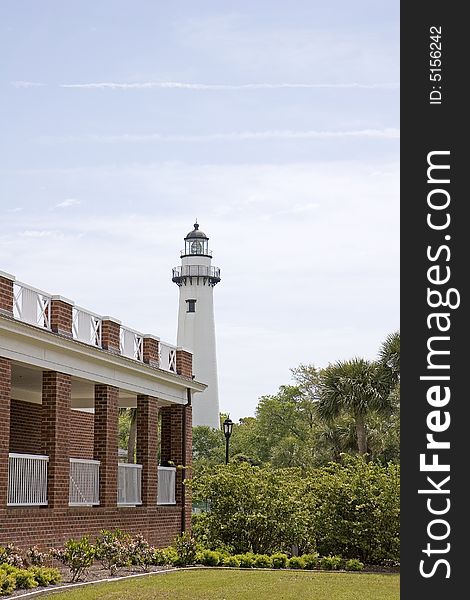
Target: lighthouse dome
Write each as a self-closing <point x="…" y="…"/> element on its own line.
<point x="196" y="233"/>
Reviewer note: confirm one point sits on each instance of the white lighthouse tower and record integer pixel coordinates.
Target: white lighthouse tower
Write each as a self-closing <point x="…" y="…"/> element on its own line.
<point x="196" y="278"/>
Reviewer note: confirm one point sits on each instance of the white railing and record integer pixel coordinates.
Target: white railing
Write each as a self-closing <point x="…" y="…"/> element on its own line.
<point x="84" y="487"/>
<point x="129" y="484"/>
<point x="167" y="357"/>
<point x="132" y="344"/>
<point x="166" y="485"/>
<point x="86" y="327"/>
<point x="31" y="305"/>
<point x="27" y="480"/>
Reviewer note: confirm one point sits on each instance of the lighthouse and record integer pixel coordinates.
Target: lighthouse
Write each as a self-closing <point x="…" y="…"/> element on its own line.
<point x="196" y="279"/>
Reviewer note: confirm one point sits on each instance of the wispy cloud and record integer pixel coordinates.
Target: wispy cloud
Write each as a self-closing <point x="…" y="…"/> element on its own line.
<point x="68" y="202"/>
<point x="181" y="85"/>
<point x="36" y="233"/>
<point x="26" y="84"/>
<point x="236" y="136"/>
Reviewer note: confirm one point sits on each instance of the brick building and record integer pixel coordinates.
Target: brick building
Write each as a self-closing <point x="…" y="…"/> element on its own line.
<point x="64" y="374"/>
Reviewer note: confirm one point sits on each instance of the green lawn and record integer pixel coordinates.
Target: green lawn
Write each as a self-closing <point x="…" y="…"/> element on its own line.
<point x="243" y="585"/>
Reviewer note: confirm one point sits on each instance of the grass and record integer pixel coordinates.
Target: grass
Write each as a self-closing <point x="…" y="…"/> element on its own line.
<point x="225" y="584"/>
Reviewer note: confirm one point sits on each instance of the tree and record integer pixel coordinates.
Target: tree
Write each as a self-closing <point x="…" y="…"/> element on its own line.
<point x="356" y="387"/>
<point x="389" y="354"/>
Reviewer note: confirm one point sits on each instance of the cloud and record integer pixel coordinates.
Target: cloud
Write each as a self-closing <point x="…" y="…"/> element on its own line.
<point x="236" y="136"/>
<point x="35" y="233"/>
<point x="68" y="202"/>
<point x="145" y="85"/>
<point x="26" y="84"/>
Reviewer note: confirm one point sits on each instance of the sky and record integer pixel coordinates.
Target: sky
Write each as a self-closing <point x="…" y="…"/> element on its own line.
<point x="275" y="124"/>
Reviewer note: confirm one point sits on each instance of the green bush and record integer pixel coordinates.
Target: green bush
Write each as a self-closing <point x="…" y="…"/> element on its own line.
<point x="7" y="583"/>
<point x="11" y="555"/>
<point x="231" y="561"/>
<point x="262" y="561"/>
<point x="186" y="549"/>
<point x="246" y="560"/>
<point x="310" y="560"/>
<point x="35" y="557"/>
<point x="350" y="508"/>
<point x="331" y="563"/>
<point x="171" y="556"/>
<point x="46" y="575"/>
<point x="296" y="562"/>
<point x="112" y="550"/>
<point x="158" y="557"/>
<point x="140" y="553"/>
<point x="25" y="579"/>
<point x="353" y="564"/>
<point x="209" y="558"/>
<point x="279" y="560"/>
<point x="77" y="555"/>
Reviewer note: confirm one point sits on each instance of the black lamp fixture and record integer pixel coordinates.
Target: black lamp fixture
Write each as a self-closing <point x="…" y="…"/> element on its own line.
<point x="228" y="426"/>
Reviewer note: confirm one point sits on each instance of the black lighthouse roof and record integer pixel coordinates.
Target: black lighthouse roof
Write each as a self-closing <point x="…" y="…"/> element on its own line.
<point x="196" y="234"/>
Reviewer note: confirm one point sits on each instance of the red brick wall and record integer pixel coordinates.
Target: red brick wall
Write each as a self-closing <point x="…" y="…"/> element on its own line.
<point x="184" y="363"/>
<point x="47" y="527"/>
<point x="55" y="427"/>
<point x="151" y="351"/>
<point x="61" y="317"/>
<point x="25" y="430"/>
<point x="6" y="295"/>
<point x="25" y="427"/>
<point x="5" y="394"/>
<point x="106" y="441"/>
<point x="110" y="336"/>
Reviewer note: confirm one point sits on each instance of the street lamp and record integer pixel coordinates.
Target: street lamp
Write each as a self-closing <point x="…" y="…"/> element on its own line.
<point x="228" y="426"/>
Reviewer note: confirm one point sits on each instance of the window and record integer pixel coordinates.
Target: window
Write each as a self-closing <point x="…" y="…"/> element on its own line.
<point x="191" y="305"/>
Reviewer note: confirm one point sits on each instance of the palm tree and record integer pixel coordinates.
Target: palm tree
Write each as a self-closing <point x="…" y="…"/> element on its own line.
<point x="389" y="354"/>
<point x="356" y="387"/>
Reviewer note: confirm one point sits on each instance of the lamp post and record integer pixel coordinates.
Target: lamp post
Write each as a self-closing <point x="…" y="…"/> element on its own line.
<point x="228" y="426"/>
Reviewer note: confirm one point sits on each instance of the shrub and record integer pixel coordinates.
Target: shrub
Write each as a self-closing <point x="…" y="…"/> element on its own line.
<point x="330" y="563"/>
<point x="77" y="555"/>
<point x="279" y="560"/>
<point x="246" y="560"/>
<point x="7" y="583"/>
<point x="140" y="553"/>
<point x="353" y="564"/>
<point x="11" y="555"/>
<point x="231" y="561"/>
<point x="25" y="579"/>
<point x="310" y="560"/>
<point x="296" y="562"/>
<point x="171" y="556"/>
<point x="46" y="575"/>
<point x="158" y="557"/>
<point x="112" y="550"/>
<point x="186" y="548"/>
<point x="349" y="508"/>
<point x="209" y="558"/>
<point x="35" y="557"/>
<point x="262" y="561"/>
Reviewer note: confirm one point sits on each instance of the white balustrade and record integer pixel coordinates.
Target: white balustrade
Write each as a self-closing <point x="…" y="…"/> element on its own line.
<point x="129" y="484"/>
<point x="86" y="327"/>
<point x="84" y="487"/>
<point x="31" y="305"/>
<point x="166" y="485"/>
<point x="167" y="357"/>
<point x="132" y="344"/>
<point x="27" y="479"/>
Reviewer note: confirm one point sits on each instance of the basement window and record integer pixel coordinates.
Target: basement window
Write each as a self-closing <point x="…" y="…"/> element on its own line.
<point x="190" y="305"/>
